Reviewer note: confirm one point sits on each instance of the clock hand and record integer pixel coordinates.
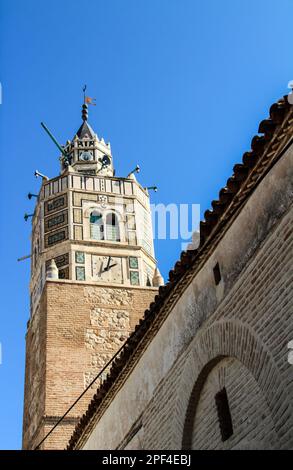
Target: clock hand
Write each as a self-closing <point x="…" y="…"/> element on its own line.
<point x="108" y="264"/>
<point x="115" y="264"/>
<point x="101" y="268"/>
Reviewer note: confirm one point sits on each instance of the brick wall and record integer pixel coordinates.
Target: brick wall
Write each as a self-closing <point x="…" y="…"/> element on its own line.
<point x="34" y="404"/>
<point x="77" y="329"/>
<point x="252" y="423"/>
<point x="253" y="323"/>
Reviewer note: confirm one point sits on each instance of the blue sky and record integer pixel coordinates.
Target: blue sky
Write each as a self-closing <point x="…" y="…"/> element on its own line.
<point x="181" y="86"/>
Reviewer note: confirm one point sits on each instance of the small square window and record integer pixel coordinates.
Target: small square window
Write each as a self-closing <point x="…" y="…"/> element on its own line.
<point x="217" y="274"/>
<point x="224" y="415"/>
<point x="133" y="262"/>
<point x="79" y="257"/>
<point x="134" y="278"/>
<point x="80" y="273"/>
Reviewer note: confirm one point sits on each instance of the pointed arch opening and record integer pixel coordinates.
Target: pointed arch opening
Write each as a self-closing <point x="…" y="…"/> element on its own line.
<point x="112" y="227"/>
<point x="96" y="225"/>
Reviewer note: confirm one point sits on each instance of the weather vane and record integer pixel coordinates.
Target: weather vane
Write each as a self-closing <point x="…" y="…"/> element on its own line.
<point x="87" y="99"/>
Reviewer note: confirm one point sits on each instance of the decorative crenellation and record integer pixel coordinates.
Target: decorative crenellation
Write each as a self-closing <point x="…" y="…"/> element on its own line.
<point x="111" y="185"/>
<point x="87" y="153"/>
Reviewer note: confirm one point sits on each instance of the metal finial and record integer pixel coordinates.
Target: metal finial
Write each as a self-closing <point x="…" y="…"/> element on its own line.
<point x="84" y="112"/>
<point x="86" y="101"/>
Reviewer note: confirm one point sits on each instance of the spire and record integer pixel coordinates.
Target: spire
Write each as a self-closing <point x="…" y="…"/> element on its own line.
<point x="85" y="129"/>
<point x="87" y="153"/>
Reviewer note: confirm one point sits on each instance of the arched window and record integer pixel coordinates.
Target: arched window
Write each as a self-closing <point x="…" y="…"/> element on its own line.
<point x="112" y="227"/>
<point x="96" y="226"/>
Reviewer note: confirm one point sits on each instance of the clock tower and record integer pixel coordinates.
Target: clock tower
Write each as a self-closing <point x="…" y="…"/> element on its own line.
<point x="93" y="273"/>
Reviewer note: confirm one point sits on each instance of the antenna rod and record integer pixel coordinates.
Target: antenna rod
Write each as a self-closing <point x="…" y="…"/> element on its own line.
<point x="24" y="257"/>
<point x="54" y="140"/>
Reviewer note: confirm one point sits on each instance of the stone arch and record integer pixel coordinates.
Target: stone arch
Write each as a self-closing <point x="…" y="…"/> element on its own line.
<point x="194" y="400"/>
<point x="233" y="339"/>
<point x="89" y="209"/>
<point x="110" y="211"/>
<point x="250" y="423"/>
<point x="104" y="211"/>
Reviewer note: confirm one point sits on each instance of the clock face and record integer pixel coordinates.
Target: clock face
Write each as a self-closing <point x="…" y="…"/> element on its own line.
<point x="107" y="269"/>
<point x="86" y="156"/>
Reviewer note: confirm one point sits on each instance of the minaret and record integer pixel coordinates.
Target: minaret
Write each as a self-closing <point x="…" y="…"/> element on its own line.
<point x="92" y="273"/>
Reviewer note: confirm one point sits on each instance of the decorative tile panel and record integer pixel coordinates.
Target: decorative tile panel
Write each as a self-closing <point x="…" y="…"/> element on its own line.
<point x="77" y="216"/>
<point x="108" y="186"/>
<point x="79" y="257"/>
<point x="129" y="206"/>
<point x="64" y="183"/>
<point x="102" y="184"/>
<point x="134" y="278"/>
<point x="131" y="222"/>
<point x="131" y="238"/>
<point x="56" y="237"/>
<point x="78" y="232"/>
<point x="51" y="223"/>
<point x="64" y="273"/>
<point x="128" y="188"/>
<point x="89" y="183"/>
<point x="61" y="260"/>
<point x="133" y="262"/>
<point x="80" y="273"/>
<point x="55" y="204"/>
<point x="79" y="197"/>
<point x="116" y="187"/>
<point x="103" y="200"/>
